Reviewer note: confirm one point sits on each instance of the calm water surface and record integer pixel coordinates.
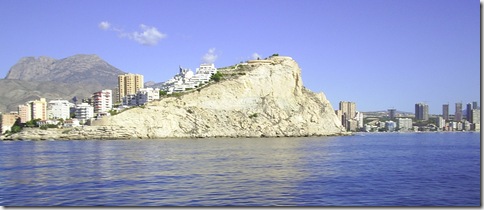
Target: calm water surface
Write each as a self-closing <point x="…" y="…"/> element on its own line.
<point x="428" y="169"/>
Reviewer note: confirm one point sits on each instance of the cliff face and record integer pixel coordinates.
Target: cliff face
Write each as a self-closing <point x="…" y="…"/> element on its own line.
<point x="269" y="100"/>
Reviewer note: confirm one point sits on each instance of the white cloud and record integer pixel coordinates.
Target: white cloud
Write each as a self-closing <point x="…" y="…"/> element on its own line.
<point x="148" y="36"/>
<point x="105" y="25"/>
<point x="255" y="56"/>
<point x="210" y="56"/>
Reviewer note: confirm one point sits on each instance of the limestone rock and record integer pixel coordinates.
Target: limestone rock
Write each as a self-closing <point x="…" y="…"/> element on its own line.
<point x="269" y="100"/>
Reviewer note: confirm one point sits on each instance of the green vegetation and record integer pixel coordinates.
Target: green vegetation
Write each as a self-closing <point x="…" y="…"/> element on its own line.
<point x="113" y="112"/>
<point x="44" y="127"/>
<point x="275" y="54"/>
<point x="253" y="115"/>
<point x="178" y="95"/>
<point x="163" y="93"/>
<point x="32" y="123"/>
<point x="15" y="129"/>
<point x="217" y="77"/>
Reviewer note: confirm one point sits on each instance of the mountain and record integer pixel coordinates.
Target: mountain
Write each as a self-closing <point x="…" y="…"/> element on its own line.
<point x="86" y="69"/>
<point x="78" y="75"/>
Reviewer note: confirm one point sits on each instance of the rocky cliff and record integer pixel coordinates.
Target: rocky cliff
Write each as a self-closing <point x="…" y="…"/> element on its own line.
<point x="267" y="99"/>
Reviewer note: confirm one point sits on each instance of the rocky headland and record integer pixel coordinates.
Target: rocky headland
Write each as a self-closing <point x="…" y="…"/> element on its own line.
<point x="266" y="99"/>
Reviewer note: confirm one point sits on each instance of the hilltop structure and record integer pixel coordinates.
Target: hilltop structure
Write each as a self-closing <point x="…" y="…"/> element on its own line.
<point x="186" y="79"/>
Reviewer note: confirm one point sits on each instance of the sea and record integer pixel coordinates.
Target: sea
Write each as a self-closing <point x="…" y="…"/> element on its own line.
<point x="365" y="169"/>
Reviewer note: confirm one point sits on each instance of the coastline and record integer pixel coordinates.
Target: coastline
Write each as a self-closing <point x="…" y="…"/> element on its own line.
<point x="109" y="133"/>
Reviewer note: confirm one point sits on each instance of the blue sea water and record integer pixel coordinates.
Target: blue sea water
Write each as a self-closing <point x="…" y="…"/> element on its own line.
<point x="371" y="169"/>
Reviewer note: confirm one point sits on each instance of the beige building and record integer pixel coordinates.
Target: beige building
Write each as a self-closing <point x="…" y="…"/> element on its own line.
<point x="347" y="113"/>
<point x="39" y="109"/>
<point x="24" y="112"/>
<point x="129" y="84"/>
<point x="7" y="121"/>
<point x="33" y="110"/>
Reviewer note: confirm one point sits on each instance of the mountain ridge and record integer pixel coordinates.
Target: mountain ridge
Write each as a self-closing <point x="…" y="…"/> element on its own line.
<point x="32" y="77"/>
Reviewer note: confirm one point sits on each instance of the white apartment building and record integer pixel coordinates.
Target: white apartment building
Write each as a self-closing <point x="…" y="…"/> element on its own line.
<point x="145" y="95"/>
<point x="84" y="112"/>
<point x="103" y="101"/>
<point x="440" y="123"/>
<point x="359" y="119"/>
<point x="187" y="79"/>
<point x="404" y="124"/>
<point x="57" y="109"/>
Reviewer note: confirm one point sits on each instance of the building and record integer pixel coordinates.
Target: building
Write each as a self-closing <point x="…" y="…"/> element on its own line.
<point x="84" y="112"/>
<point x="129" y="84"/>
<point x="348" y="112"/>
<point x="474" y="105"/>
<point x="404" y="124"/>
<point x="351" y="125"/>
<point x="421" y="111"/>
<point x="392" y="113"/>
<point x="7" y="121"/>
<point x="475" y="116"/>
<point x="440" y="123"/>
<point x="39" y="109"/>
<point x="468" y="111"/>
<point x="33" y="110"/>
<point x="187" y="79"/>
<point x="466" y="125"/>
<point x="458" y="112"/>
<point x="359" y="119"/>
<point x="59" y="109"/>
<point x="146" y="95"/>
<point x="143" y="96"/>
<point x="445" y="112"/>
<point x="390" y="126"/>
<point x="25" y="113"/>
<point x="102" y="101"/>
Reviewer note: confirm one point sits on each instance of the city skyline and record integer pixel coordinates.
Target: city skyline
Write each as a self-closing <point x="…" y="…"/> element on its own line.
<point x="379" y="54"/>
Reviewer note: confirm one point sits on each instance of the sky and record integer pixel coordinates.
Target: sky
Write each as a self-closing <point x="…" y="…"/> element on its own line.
<point x="379" y="54"/>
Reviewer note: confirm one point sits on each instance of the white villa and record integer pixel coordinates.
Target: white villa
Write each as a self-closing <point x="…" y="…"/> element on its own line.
<point x="186" y="79"/>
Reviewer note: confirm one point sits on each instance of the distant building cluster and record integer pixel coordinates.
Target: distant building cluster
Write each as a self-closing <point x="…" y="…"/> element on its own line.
<point x="59" y="112"/>
<point x="351" y="119"/>
<point x="457" y="122"/>
<point x="468" y="120"/>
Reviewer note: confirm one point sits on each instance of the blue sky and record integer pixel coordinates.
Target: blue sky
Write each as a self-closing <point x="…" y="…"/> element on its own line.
<point x="378" y="53"/>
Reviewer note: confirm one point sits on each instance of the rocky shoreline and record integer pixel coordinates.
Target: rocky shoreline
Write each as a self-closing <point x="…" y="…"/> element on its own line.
<point x="111" y="133"/>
